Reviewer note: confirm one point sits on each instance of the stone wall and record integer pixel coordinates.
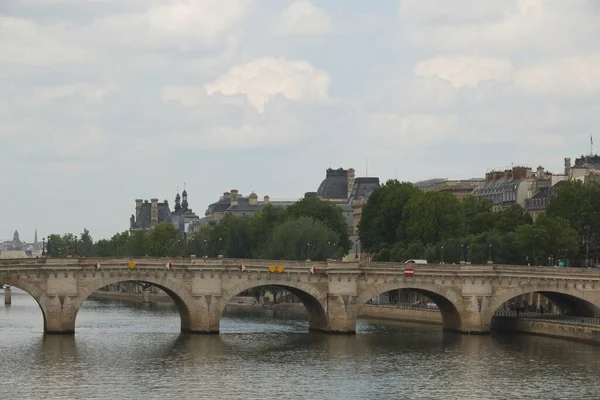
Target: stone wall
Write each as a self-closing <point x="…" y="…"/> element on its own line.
<point x="401" y="314"/>
<point x="579" y="332"/>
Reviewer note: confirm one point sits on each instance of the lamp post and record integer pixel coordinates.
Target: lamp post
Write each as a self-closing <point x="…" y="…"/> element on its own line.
<point x="490" y="257"/>
<point x="441" y="254"/>
<point x="467" y="257"/>
<point x="205" y="248"/>
<point x="43" y="246"/>
<point x="48" y="247"/>
<point x="356" y="256"/>
<point x="307" y="251"/>
<point x="462" y="251"/>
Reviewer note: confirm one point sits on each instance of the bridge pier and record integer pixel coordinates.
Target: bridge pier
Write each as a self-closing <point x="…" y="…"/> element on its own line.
<point x="59" y="315"/>
<point x="7" y="295"/>
<point x="342" y="313"/>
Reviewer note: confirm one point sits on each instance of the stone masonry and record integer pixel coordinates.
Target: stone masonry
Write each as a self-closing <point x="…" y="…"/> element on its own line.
<point x="467" y="295"/>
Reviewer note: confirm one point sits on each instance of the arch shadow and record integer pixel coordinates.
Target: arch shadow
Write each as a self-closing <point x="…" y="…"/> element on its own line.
<point x="445" y="300"/>
<point x="179" y="294"/>
<point x="31" y="289"/>
<point x="568" y="301"/>
<point x="314" y="301"/>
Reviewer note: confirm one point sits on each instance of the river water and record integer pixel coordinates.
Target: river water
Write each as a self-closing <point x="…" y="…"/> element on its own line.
<point x="127" y="351"/>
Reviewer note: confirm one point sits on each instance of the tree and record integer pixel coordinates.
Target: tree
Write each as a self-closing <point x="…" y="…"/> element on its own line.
<point x="328" y="213"/>
<point x="86" y="244"/>
<point x="432" y="217"/>
<point x="578" y="203"/>
<point x="479" y="216"/>
<point x="300" y="238"/>
<point x="380" y="224"/>
<point x="164" y="240"/>
<point x="137" y="244"/>
<point x="510" y="219"/>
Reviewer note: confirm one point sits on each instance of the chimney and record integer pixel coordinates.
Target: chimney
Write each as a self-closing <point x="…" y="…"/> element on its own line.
<point x="226" y="196"/>
<point x="350" y="181"/>
<point x="138" y="208"/>
<point x="567" y="166"/>
<point x="267" y="200"/>
<point x="154" y="212"/>
<point x="540" y="172"/>
<point x="234" y="198"/>
<point x="253" y="199"/>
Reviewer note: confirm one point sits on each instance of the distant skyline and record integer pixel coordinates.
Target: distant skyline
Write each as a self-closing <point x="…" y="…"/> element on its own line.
<point x="106" y="101"/>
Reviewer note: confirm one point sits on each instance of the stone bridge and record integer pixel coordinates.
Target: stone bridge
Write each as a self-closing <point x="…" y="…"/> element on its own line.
<point x="467" y="295"/>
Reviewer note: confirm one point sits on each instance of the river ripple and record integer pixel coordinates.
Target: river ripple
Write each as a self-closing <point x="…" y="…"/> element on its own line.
<point x="136" y="352"/>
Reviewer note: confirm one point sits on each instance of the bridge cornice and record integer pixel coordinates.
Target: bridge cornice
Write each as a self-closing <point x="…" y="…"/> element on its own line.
<point x="330" y="268"/>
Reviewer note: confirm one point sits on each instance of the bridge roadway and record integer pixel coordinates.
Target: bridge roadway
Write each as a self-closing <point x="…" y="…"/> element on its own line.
<point x="467" y="295"/>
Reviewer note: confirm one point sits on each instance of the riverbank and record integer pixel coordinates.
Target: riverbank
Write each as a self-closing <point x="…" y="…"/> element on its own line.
<point x="557" y="329"/>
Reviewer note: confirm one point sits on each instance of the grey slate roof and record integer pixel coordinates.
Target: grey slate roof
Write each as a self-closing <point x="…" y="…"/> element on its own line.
<point x="335" y="184"/>
<point x="363" y="187"/>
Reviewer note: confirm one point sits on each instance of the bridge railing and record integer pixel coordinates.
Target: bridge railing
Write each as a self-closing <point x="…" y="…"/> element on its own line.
<point x="550" y="317"/>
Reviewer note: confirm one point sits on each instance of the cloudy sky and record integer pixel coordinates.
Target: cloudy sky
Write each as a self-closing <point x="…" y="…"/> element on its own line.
<point x="105" y="101"/>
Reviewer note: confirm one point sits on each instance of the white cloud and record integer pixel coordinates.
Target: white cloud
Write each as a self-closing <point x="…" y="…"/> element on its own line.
<point x="452" y="11"/>
<point x="466" y="71"/>
<point x="303" y="18"/>
<point x="577" y="76"/>
<point x="264" y="78"/>
<point x="180" y="22"/>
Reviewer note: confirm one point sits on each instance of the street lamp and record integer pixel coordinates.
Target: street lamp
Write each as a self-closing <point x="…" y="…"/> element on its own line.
<point x="490" y="257"/>
<point x="462" y="251"/>
<point x="307" y="251"/>
<point x="48" y="247"/>
<point x="43" y="246"/>
<point x="441" y="254"/>
<point x="356" y="251"/>
<point x="467" y="258"/>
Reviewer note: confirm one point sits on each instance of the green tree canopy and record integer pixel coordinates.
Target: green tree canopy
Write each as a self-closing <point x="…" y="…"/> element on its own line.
<point x="301" y="238"/>
<point x="328" y="213"/>
<point x="164" y="240"/>
<point x="381" y="225"/>
<point x="432" y="217"/>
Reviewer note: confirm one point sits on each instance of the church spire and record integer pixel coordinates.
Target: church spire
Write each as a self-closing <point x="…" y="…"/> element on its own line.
<point x="184" y="202"/>
<point x="177" y="201"/>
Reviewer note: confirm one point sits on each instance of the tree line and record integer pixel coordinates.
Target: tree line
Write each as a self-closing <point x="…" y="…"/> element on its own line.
<point x="308" y="229"/>
<point x="400" y="222"/>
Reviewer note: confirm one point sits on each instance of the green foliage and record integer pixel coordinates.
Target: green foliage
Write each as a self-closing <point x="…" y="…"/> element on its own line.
<point x="328" y="213"/>
<point x="164" y="240"/>
<point x="510" y="219"/>
<point x="301" y="238"/>
<point x="432" y="217"/>
<point x="398" y="223"/>
<point x="381" y="224"/>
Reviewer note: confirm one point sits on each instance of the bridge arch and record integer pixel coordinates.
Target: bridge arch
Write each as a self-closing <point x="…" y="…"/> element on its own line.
<point x="313" y="299"/>
<point x="581" y="303"/>
<point x="448" y="301"/>
<point x="38" y="294"/>
<point x="180" y="295"/>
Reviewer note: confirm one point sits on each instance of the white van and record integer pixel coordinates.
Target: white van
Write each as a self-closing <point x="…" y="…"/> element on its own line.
<point x="415" y="262"/>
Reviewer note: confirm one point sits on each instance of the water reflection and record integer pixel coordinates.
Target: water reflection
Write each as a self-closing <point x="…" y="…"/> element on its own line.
<point x="135" y="351"/>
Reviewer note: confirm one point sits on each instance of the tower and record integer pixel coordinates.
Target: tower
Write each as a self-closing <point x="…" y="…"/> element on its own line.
<point x="177" y="202"/>
<point x="35" y="240"/>
<point x="184" y="202"/>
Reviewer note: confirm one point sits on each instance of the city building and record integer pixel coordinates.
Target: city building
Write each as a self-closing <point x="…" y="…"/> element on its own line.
<point x="148" y="214"/>
<point x="182" y="216"/>
<point x="350" y="193"/>
<point x="460" y="188"/>
<point x="234" y="203"/>
<point x="16" y="248"/>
